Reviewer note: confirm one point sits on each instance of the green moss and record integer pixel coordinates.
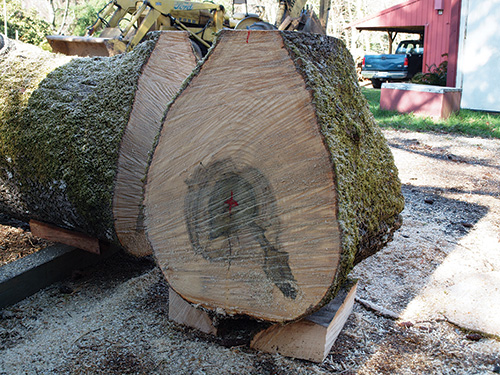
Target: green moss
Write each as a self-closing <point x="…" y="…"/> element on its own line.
<point x="369" y="191"/>
<point x="61" y="124"/>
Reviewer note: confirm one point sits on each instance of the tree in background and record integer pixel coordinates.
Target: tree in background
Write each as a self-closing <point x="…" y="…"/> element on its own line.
<point x="24" y="24"/>
<point x="33" y="19"/>
<point x="83" y="15"/>
<point x="68" y="17"/>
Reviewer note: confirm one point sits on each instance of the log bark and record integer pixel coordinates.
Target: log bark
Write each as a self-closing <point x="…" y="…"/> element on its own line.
<point x="270" y="178"/>
<point x="76" y="133"/>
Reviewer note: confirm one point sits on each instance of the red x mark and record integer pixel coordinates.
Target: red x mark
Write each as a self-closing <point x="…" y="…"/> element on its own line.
<point x="231" y="203"/>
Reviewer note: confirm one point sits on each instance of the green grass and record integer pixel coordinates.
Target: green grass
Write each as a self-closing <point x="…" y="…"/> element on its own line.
<point x="466" y="122"/>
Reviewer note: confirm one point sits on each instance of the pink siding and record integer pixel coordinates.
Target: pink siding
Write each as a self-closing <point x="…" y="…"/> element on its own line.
<point x="441" y="30"/>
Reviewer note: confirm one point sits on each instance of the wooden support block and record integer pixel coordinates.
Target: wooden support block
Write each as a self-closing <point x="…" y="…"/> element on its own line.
<point x="310" y="338"/>
<point x="65" y="236"/>
<point x="186" y="314"/>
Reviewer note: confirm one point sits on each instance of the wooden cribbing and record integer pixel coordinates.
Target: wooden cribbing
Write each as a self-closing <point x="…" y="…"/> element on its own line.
<point x="64" y="236"/>
<point x="310" y="338"/>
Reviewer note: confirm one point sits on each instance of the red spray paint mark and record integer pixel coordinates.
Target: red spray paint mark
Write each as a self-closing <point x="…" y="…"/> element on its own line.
<point x="248" y="35"/>
<point x="231" y="203"/>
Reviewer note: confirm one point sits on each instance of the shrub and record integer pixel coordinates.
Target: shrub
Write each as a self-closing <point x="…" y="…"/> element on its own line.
<point x="86" y="14"/>
<point x="436" y="75"/>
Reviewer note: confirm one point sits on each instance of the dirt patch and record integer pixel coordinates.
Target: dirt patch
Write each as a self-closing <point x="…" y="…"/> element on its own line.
<point x="112" y="320"/>
<point x="16" y="240"/>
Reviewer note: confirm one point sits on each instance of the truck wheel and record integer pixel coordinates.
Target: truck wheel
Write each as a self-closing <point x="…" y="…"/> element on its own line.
<point x="376" y="83"/>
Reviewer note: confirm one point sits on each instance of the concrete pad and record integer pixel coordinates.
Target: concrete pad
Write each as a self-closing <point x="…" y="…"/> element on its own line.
<point x="423" y="100"/>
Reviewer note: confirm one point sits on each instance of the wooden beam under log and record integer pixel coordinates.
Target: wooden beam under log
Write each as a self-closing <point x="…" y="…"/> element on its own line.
<point x="65" y="236"/>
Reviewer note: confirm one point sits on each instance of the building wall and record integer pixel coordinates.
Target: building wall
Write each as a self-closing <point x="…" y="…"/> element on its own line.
<point x="479" y="55"/>
<point x="441" y="28"/>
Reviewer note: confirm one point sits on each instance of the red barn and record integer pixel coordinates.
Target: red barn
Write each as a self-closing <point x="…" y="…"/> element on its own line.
<point x="467" y="31"/>
<point x="437" y="20"/>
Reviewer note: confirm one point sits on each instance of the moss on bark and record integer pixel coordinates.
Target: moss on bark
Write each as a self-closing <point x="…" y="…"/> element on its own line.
<point x="61" y="124"/>
<point x="368" y="187"/>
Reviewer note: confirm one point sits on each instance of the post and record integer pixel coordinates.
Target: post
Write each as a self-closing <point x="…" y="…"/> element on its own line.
<point x="5" y="17"/>
<point x="392" y="36"/>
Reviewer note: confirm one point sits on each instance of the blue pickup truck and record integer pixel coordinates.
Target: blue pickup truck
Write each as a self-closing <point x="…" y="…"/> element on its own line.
<point x="401" y="66"/>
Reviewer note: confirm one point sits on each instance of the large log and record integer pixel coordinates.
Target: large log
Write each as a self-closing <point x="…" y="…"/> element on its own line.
<point x="76" y="133"/>
<point x="270" y="178"/>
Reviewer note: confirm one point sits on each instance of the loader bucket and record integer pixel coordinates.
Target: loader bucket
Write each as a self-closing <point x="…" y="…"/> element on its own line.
<point x="85" y="46"/>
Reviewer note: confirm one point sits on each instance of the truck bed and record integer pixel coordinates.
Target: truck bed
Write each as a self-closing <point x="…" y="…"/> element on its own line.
<point x="384" y="62"/>
<point x="401" y="66"/>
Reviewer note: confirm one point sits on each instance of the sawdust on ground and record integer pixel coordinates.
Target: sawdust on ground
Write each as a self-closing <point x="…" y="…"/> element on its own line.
<point x="112" y="319"/>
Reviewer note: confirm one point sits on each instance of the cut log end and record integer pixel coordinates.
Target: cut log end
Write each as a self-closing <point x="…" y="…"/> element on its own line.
<point x="169" y="64"/>
<point x="243" y="191"/>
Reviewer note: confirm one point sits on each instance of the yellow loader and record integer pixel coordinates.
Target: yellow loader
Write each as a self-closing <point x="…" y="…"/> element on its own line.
<point x="124" y="23"/>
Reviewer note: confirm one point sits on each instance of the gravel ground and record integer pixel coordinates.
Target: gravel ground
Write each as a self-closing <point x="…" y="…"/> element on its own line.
<point x="408" y="319"/>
